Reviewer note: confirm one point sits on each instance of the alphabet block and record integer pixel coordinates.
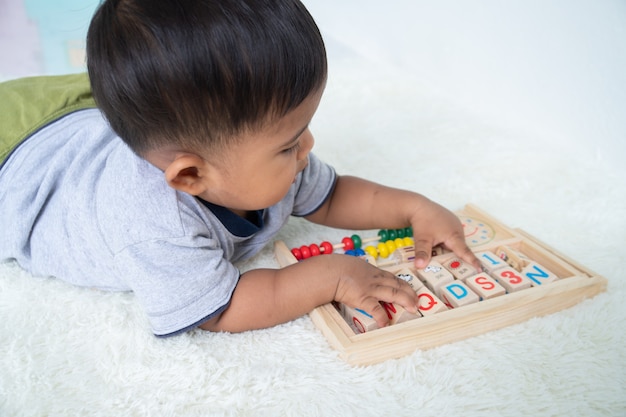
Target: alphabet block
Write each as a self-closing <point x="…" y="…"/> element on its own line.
<point x="538" y="274"/>
<point x="459" y="268"/>
<point x="485" y="286"/>
<point x="429" y="303"/>
<point x="434" y="276"/>
<point x="408" y="275"/>
<point x="457" y="294"/>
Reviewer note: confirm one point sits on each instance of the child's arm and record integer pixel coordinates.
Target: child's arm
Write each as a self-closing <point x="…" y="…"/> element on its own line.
<point x="267" y="297"/>
<point x="360" y="204"/>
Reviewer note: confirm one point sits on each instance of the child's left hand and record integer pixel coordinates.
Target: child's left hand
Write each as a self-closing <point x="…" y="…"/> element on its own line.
<point x="435" y="225"/>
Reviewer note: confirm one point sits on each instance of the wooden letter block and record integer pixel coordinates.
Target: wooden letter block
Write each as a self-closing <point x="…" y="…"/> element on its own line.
<point x="358" y="319"/>
<point x="512" y="257"/>
<point x="538" y="274"/>
<point x="435" y="275"/>
<point x="429" y="303"/>
<point x="457" y="294"/>
<point x="490" y="261"/>
<point x="397" y="314"/>
<point x="485" y="286"/>
<point x="511" y="280"/>
<point x="460" y="269"/>
<point x="408" y="275"/>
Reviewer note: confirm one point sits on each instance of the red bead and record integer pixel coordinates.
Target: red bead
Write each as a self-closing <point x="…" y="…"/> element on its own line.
<point x="327" y="248"/>
<point x="306" y="252"/>
<point x="296" y="252"/>
<point x="315" y="250"/>
<point x="348" y="243"/>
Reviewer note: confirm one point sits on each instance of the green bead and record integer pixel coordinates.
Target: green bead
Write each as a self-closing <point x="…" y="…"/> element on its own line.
<point x="383" y="235"/>
<point x="400" y="233"/>
<point x="391" y="234"/>
<point x="357" y="241"/>
<point x="408" y="231"/>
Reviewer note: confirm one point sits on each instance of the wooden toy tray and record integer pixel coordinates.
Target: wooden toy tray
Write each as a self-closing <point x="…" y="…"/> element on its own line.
<point x="482" y="233"/>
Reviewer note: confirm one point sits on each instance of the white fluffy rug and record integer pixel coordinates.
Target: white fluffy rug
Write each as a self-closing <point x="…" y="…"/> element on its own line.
<point x="67" y="351"/>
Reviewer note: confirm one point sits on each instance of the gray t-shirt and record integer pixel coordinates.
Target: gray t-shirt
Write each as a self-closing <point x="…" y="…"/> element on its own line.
<point x="77" y="204"/>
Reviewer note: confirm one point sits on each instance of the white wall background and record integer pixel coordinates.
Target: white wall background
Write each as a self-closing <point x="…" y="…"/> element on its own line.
<point x="555" y="68"/>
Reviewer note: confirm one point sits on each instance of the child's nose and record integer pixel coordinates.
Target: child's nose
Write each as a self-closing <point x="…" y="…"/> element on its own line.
<point x="306" y="144"/>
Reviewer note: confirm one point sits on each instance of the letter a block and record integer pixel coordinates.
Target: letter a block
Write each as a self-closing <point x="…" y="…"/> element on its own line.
<point x="457" y="294"/>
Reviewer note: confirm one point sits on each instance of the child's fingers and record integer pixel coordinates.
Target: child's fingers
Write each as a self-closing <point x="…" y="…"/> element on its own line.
<point x="397" y="291"/>
<point x="423" y="251"/>
<point x="457" y="245"/>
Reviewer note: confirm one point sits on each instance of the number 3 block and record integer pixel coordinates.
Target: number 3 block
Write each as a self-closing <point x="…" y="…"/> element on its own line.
<point x="511" y="280"/>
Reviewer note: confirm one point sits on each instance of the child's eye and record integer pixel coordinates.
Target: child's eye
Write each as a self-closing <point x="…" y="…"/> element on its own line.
<point x="294" y="148"/>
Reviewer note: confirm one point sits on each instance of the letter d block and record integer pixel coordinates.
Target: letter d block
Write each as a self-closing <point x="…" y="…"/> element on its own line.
<point x="457" y="294"/>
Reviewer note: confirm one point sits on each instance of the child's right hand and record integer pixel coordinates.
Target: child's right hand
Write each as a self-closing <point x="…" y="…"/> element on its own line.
<point x="363" y="286"/>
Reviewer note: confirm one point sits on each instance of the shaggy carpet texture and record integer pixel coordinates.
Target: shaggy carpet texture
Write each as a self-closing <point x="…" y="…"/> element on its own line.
<point x="68" y="351"/>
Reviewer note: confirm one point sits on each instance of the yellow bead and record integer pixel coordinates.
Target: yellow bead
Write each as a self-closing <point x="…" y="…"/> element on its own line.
<point x="390" y="245"/>
<point x="371" y="251"/>
<point x="408" y="241"/>
<point x="383" y="251"/>
<point x="399" y="242"/>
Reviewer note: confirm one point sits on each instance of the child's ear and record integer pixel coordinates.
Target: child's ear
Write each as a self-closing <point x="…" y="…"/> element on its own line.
<point x="188" y="173"/>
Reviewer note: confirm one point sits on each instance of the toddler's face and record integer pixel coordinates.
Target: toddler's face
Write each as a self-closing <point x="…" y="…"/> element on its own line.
<point x="258" y="171"/>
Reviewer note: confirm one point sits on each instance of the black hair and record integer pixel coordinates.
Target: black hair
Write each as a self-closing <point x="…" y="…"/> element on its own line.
<point x="194" y="73"/>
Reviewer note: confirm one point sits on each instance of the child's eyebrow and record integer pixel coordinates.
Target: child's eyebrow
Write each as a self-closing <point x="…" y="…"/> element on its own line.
<point x="295" y="137"/>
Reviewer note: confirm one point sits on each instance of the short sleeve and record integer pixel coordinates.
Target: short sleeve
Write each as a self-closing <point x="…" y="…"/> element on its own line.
<point x="180" y="282"/>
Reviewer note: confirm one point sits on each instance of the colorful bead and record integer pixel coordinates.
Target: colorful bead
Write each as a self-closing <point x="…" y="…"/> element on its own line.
<point x="347" y="243"/>
<point x="400" y="233"/>
<point x="306" y="252"/>
<point x="350" y="252"/>
<point x="391" y="234"/>
<point x="315" y="250"/>
<point x="383" y="235"/>
<point x="371" y="251"/>
<point x="408" y="241"/>
<point x="391" y="246"/>
<point x="383" y="251"/>
<point x="356" y="239"/>
<point x="408" y="232"/>
<point x="296" y="252"/>
<point x="399" y="242"/>
<point x="359" y="252"/>
<point x="327" y="248"/>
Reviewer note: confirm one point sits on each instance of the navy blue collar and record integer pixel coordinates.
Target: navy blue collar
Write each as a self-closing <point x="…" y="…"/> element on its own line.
<point x="235" y="224"/>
